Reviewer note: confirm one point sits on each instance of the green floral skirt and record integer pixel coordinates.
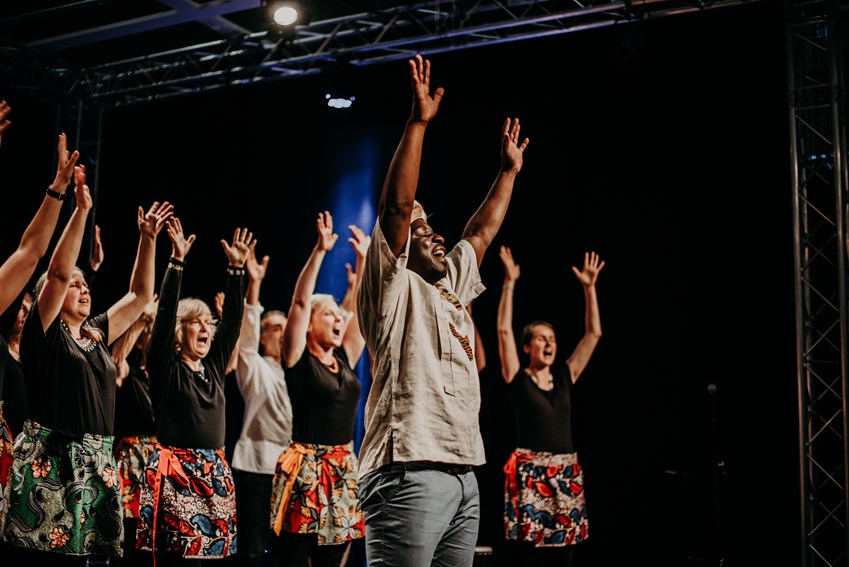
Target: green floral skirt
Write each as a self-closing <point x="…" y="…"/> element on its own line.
<point x="65" y="493"/>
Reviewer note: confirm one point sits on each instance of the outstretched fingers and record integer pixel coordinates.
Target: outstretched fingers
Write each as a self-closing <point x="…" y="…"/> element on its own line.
<point x="81" y="190"/>
<point x="512" y="129"/>
<point x="65" y="163"/>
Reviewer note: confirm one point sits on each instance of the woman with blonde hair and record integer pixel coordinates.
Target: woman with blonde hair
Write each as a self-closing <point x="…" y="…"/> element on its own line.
<point x="15" y="273"/>
<point x="187" y="506"/>
<point x="66" y="497"/>
<point x="315" y="510"/>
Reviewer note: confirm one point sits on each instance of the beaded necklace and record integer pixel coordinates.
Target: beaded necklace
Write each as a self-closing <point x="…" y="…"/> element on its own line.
<point x="201" y="373"/>
<point x="86" y="344"/>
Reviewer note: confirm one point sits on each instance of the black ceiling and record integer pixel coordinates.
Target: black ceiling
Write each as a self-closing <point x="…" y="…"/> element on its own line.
<point x="86" y="33"/>
<point x="117" y="52"/>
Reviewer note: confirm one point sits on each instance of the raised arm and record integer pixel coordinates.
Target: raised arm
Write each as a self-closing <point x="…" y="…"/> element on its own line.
<point x="122" y="347"/>
<point x="142" y="280"/>
<point x="65" y="254"/>
<point x="256" y="271"/>
<point x="506" y="341"/>
<point x="350" y="297"/>
<point x="161" y="344"/>
<point x="247" y="346"/>
<point x="19" y="267"/>
<point x="218" y="302"/>
<point x="353" y="341"/>
<point x="97" y="257"/>
<point x="399" y="188"/>
<point x="485" y="223"/>
<point x="592" y="319"/>
<point x="233" y="308"/>
<point x="295" y="335"/>
<point x="5" y="109"/>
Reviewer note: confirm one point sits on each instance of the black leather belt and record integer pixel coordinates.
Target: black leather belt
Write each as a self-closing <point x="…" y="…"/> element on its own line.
<point x="455" y="469"/>
<point x="449" y="468"/>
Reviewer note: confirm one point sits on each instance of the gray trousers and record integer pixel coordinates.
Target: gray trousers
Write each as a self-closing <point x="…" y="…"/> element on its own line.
<point x="420" y="514"/>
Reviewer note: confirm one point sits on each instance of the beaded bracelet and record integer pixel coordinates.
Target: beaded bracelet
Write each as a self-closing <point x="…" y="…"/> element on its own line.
<point x="234" y="271"/>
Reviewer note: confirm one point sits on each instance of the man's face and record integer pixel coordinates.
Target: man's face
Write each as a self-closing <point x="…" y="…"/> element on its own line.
<point x="271" y="337"/>
<point x="427" y="252"/>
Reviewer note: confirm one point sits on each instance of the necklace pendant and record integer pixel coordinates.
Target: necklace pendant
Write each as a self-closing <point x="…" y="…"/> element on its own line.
<point x="201" y="373"/>
<point x="86" y="344"/>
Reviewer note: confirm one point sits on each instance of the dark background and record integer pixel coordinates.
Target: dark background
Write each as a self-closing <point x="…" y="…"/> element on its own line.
<point x="662" y="145"/>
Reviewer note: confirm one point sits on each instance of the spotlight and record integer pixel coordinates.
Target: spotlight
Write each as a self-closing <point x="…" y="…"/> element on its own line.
<point x="339" y="102"/>
<point x="285" y="15"/>
<point x="282" y="16"/>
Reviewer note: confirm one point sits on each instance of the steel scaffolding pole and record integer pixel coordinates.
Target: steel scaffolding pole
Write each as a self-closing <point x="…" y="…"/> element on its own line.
<point x="358" y="40"/>
<point x="819" y="184"/>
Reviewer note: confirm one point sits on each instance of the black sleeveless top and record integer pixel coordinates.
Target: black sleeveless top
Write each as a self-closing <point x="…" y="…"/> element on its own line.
<point x="543" y="419"/>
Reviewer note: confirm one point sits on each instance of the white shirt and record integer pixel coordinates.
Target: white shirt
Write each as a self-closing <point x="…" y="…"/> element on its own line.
<point x="267" y="422"/>
<point x="424" y="400"/>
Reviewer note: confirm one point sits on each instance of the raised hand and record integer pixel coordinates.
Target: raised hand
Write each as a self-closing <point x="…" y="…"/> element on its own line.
<point x="149" y="312"/>
<point x="326" y="238"/>
<point x="425" y="105"/>
<point x="64" y="165"/>
<point x="81" y="191"/>
<point x="218" y="301"/>
<point x="97" y="254"/>
<point x="152" y="221"/>
<point x="592" y="266"/>
<point x="350" y="275"/>
<point x="237" y="252"/>
<point x="180" y="245"/>
<point x="512" y="151"/>
<point x="511" y="268"/>
<point x="5" y="109"/>
<point x="256" y="270"/>
<point x="360" y="240"/>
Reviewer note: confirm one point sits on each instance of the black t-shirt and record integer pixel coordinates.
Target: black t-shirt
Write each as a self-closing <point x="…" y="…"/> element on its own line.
<point x="543" y="419"/>
<point x="15" y="404"/>
<point x="134" y="408"/>
<point x="69" y="389"/>
<point x="190" y="411"/>
<point x="4" y="358"/>
<point x="324" y="404"/>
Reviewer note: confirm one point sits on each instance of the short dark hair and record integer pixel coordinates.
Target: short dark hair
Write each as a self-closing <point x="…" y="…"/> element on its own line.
<point x="527" y="330"/>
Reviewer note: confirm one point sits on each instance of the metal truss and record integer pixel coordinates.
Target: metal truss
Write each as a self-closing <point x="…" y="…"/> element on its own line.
<point x="359" y="39"/>
<point x="819" y="188"/>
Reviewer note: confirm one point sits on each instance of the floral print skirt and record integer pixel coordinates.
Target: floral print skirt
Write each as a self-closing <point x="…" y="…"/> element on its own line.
<point x="315" y="492"/>
<point x="544" y="499"/>
<point x="6" y="459"/>
<point x="187" y="504"/>
<point x="132" y="454"/>
<point x="65" y="493"/>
